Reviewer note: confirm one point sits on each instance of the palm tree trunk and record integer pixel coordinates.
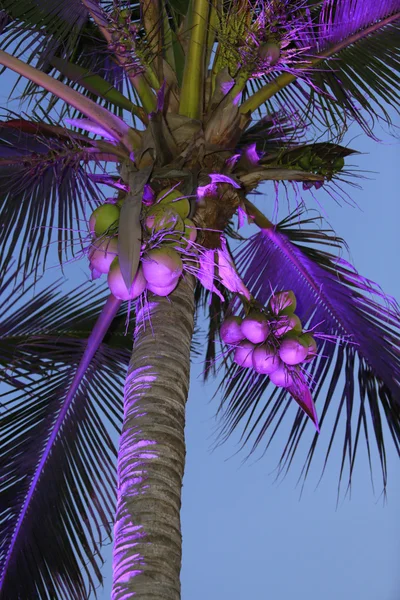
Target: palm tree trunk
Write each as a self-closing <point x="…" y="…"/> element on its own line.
<point x="147" y="533"/>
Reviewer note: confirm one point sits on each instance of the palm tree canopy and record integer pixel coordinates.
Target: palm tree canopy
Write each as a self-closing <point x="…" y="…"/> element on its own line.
<point x="216" y="96"/>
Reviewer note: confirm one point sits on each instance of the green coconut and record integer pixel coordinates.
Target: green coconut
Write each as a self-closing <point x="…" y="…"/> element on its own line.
<point x="338" y="163"/>
<point x="162" y="266"/>
<point x="308" y="339"/>
<point x="162" y="291"/>
<point x="288" y="324"/>
<point x="190" y="233"/>
<point x="162" y="218"/>
<point x="102" y="254"/>
<point x="283" y="303"/>
<point x="174" y="199"/>
<point x="104" y="218"/>
<point x="117" y="285"/>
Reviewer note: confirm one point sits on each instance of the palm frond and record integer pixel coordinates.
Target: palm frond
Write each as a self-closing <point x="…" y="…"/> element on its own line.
<point x="215" y="310"/>
<point x="357" y="330"/>
<point x="61" y="30"/>
<point x="58" y="491"/>
<point x="359" y="78"/>
<point x="44" y="188"/>
<point x="272" y="132"/>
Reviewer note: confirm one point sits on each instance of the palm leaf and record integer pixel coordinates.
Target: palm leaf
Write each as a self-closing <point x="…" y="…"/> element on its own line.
<point x="62" y="30"/>
<point x="215" y="310"/>
<point x="59" y="459"/>
<point x="272" y="132"/>
<point x="359" y="333"/>
<point x="43" y="188"/>
<point x="345" y="86"/>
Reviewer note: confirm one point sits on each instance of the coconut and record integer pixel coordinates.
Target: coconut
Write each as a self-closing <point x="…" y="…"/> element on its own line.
<point x="283" y="303"/>
<point x="338" y="163"/>
<point x="190" y="234"/>
<point x="286" y="324"/>
<point x="102" y="254"/>
<point x="103" y="218"/>
<point x="255" y="327"/>
<point x="293" y="350"/>
<point x="180" y="206"/>
<point x="281" y="377"/>
<point x="265" y="359"/>
<point x="305" y="162"/>
<point x="162" y="266"/>
<point x="231" y="331"/>
<point x="269" y="52"/>
<point x="164" y="219"/>
<point x="308" y="339"/>
<point x="244" y="354"/>
<point x="117" y="285"/>
<point x="162" y="291"/>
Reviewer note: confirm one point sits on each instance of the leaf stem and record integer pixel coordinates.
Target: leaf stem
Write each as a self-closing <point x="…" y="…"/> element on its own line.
<point x="100" y="115"/>
<point x="101" y="327"/>
<point x="191" y="102"/>
<point x="258" y="217"/>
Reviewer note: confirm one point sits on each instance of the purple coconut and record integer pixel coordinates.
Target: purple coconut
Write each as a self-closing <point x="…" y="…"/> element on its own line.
<point x="281" y="377"/>
<point x="244" y="354"/>
<point x="265" y="359"/>
<point x="293" y="350"/>
<point x="231" y="331"/>
<point x="255" y="327"/>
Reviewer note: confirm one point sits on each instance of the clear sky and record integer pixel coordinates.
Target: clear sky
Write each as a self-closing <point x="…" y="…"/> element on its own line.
<point x="246" y="537"/>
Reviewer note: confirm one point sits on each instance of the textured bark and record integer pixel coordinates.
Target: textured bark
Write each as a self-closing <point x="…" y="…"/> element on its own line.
<point x="147" y="534"/>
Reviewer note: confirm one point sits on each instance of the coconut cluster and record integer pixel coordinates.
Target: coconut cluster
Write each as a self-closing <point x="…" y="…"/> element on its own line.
<point x="166" y="228"/>
<point x="271" y="341"/>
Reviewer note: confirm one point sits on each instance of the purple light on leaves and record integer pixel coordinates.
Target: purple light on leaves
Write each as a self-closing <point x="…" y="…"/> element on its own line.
<point x="88" y="125"/>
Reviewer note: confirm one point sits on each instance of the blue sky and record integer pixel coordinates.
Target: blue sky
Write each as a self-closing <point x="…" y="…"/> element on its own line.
<point x="244" y="535"/>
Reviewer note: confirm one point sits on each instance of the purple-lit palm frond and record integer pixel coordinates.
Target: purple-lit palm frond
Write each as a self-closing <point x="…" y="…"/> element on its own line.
<point x="360" y="80"/>
<point x="357" y="330"/>
<point x="58" y="474"/>
<point x="44" y="193"/>
<point x="50" y="316"/>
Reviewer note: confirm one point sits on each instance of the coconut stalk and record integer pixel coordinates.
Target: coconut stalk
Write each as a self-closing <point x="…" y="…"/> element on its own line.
<point x="151" y="458"/>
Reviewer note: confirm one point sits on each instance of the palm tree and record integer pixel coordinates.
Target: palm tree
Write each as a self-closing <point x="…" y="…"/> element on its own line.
<point x="183" y="109"/>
